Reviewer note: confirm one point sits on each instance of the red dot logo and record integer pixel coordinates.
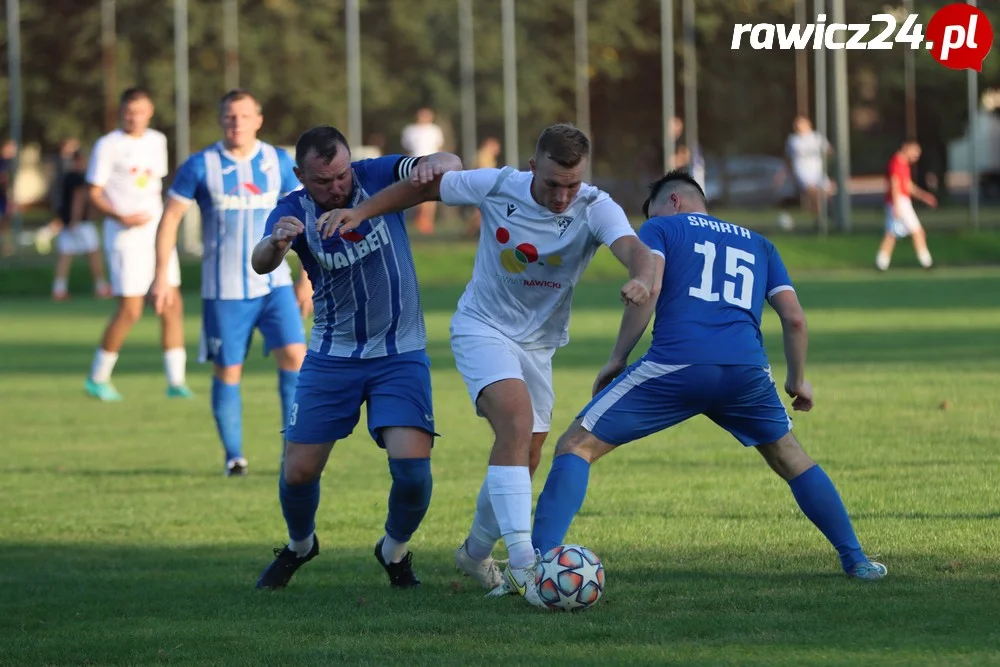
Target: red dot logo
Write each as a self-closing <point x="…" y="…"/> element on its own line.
<point x="503" y="235"/>
<point x="959" y="36"/>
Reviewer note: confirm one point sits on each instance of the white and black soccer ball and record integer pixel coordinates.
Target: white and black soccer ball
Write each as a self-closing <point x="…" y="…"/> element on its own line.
<point x="570" y="577"/>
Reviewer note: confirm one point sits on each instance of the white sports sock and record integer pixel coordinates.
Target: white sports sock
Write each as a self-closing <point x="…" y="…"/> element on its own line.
<point x="100" y="284"/>
<point x="882" y="261"/>
<point x="302" y="547"/>
<point x="392" y="551"/>
<point x="104" y="364"/>
<point x="175" y="361"/>
<point x="510" y="494"/>
<point x="60" y="286"/>
<point x="925" y="258"/>
<point x="485" y="531"/>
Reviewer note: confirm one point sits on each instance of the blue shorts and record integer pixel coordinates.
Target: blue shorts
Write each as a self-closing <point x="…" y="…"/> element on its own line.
<point x="330" y="392"/>
<point x="228" y="324"/>
<point x="649" y="397"/>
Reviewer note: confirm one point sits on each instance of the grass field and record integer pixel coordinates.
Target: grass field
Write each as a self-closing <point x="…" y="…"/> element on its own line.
<point x="122" y="543"/>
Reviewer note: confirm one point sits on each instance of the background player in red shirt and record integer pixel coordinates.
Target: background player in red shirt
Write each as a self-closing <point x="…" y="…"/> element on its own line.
<point x="900" y="218"/>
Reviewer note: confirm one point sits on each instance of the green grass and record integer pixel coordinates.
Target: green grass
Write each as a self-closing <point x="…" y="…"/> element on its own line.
<point x="122" y="543"/>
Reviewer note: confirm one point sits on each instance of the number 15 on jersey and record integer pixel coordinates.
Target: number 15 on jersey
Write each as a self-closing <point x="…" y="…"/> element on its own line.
<point x="738" y="263"/>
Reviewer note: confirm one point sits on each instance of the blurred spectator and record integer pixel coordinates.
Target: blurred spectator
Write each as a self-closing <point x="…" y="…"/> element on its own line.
<point x="806" y="151"/>
<point x="7" y="154"/>
<point x="423" y="137"/>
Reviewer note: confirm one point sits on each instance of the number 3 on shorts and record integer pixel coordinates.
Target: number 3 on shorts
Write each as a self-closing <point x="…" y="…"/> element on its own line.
<point x="293" y="414"/>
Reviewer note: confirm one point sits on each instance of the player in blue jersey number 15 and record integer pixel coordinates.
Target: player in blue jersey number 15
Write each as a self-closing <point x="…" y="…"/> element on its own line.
<point x="706" y="357"/>
<point x="368" y="345"/>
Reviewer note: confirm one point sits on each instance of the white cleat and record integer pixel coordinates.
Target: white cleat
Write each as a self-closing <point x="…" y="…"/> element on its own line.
<point x="486" y="572"/>
<point x="521" y="580"/>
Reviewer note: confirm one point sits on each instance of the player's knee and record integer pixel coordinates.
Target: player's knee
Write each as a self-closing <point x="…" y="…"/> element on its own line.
<point x="786" y="457"/>
<point x="577" y="440"/>
<point x="229" y="374"/>
<point x="303" y="463"/>
<point x="130" y="310"/>
<point x="412" y="480"/>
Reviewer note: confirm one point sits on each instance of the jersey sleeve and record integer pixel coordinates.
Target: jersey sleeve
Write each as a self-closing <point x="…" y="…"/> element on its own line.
<point x="99" y="166"/>
<point x="386" y="170"/>
<point x="653" y="235"/>
<point x="608" y="222"/>
<point x="289" y="181"/>
<point x="778" y="279"/>
<point x="189" y="176"/>
<point x="468" y="187"/>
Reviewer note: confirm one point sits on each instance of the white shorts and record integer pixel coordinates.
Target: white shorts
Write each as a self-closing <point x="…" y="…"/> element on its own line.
<point x="80" y="239"/>
<point x="131" y="255"/>
<point x="905" y="223"/>
<point x="483" y="356"/>
<point x="806" y="180"/>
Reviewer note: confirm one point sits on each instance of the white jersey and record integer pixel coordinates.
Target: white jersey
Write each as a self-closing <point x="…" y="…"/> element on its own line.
<point x="529" y="258"/>
<point x="807" y="152"/>
<point x="421" y="139"/>
<point x="130" y="170"/>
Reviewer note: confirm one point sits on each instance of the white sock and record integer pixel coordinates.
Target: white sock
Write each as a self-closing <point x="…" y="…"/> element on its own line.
<point x="485" y="532"/>
<point x="302" y="547"/>
<point x="510" y="493"/>
<point x="924" y="257"/>
<point x="175" y="361"/>
<point x="60" y="286"/>
<point x="100" y="284"/>
<point x="882" y="261"/>
<point x="104" y="364"/>
<point x="392" y="551"/>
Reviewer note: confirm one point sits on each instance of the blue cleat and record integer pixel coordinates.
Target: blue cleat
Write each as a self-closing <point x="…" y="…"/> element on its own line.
<point x="104" y="391"/>
<point x="285" y="564"/>
<point x="179" y="391"/>
<point x="868" y="571"/>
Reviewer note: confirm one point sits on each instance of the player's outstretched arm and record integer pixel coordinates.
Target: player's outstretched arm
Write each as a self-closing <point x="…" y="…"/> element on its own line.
<point x="637" y="258"/>
<point x="166" y="241"/>
<point x="423" y="184"/>
<point x="796" y="341"/>
<point x="635" y="319"/>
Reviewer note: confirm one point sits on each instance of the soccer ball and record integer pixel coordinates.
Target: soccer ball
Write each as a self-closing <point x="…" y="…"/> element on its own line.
<point x="570" y="577"/>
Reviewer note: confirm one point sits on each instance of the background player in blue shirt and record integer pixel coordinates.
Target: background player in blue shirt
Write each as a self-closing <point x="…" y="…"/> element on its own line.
<point x="368" y="345"/>
<point x="707" y="357"/>
<point x="236" y="182"/>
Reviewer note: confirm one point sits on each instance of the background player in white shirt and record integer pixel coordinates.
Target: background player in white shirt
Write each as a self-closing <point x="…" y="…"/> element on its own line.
<point x="424" y="137"/>
<point x="540" y="229"/>
<point x="125" y="174"/>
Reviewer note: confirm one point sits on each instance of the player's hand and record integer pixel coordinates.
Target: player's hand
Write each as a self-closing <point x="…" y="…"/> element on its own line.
<point x="611" y="370"/>
<point x="286" y="230"/>
<point x="636" y="292"/>
<point x="304" y="295"/>
<point x="930" y="200"/>
<point x="426" y="172"/>
<point x="135" y="219"/>
<point x="162" y="294"/>
<point x="802" y="395"/>
<point x="338" y="220"/>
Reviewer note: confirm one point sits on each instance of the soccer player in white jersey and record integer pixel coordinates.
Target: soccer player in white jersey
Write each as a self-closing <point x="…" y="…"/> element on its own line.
<point x="236" y="183"/>
<point x="540" y="229"/>
<point x="125" y="174"/>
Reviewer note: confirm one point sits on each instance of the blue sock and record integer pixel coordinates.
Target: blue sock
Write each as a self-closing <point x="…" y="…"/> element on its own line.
<point x="562" y="497"/>
<point x="299" y="503"/>
<point x="820" y="502"/>
<point x="227" y="408"/>
<point x="286" y="389"/>
<point x="409" y="497"/>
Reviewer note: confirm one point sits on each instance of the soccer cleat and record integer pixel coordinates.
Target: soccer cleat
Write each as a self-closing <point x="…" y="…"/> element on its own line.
<point x="236" y="467"/>
<point x="401" y="573"/>
<point x="180" y="391"/>
<point x="868" y="570"/>
<point x="105" y="391"/>
<point x="486" y="572"/>
<point x="286" y="562"/>
<point x="522" y="581"/>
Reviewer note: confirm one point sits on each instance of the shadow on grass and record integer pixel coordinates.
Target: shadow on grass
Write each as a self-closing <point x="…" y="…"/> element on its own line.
<point x="142" y="604"/>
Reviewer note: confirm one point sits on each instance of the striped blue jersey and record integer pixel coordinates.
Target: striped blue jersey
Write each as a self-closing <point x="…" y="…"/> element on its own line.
<point x="716" y="278"/>
<point x="235" y="197"/>
<point x="365" y="295"/>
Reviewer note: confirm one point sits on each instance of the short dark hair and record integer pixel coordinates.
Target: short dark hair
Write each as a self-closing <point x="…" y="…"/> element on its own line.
<point x="672" y="181"/>
<point x="564" y="144"/>
<point x="235" y="95"/>
<point x="135" y="93"/>
<point x="325" y="140"/>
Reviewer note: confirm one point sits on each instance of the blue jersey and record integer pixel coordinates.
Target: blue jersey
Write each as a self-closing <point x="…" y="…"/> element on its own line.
<point x="716" y="278"/>
<point x="235" y="197"/>
<point x="365" y="295"/>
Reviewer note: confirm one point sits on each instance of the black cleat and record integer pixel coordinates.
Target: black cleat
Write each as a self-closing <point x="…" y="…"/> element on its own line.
<point x="236" y="468"/>
<point x="401" y="573"/>
<point x="286" y="562"/>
